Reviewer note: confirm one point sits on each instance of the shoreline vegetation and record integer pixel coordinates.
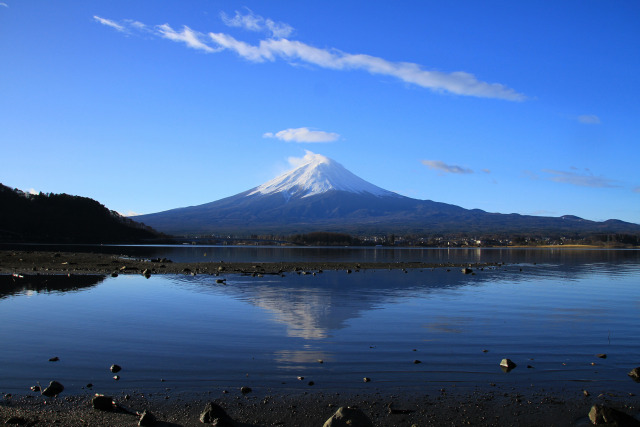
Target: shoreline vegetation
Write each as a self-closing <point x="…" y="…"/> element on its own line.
<point x="436" y="404"/>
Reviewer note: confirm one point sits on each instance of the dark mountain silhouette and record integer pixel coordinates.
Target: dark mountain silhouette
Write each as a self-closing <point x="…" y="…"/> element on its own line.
<point x="323" y="195"/>
<point x="62" y="218"/>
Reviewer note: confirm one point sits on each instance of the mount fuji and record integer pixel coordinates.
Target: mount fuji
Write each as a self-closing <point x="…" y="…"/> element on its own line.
<point x="321" y="195"/>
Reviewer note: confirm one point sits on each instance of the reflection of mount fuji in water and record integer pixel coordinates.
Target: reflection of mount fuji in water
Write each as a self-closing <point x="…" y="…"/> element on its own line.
<point x="312" y="307"/>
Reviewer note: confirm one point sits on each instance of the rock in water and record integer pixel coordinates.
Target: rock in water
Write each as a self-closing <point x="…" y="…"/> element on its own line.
<point x="147" y="419"/>
<point x="102" y="402"/>
<point x="507" y="365"/>
<point x="54" y="389"/>
<point x="115" y="368"/>
<point x="348" y="417"/>
<point x="214" y="413"/>
<point x="604" y="415"/>
<point x="635" y="374"/>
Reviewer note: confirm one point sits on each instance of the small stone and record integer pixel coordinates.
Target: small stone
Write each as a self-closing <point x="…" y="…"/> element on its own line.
<point x="115" y="368"/>
<point x="346" y="416"/>
<point x="116" y="377"/>
<point x="146" y="273"/>
<point x="102" y="402"/>
<point x="417" y="361"/>
<point x="245" y="390"/>
<point x="300" y="378"/>
<point x="467" y="270"/>
<point x="54" y="359"/>
<point x="53" y="389"/>
<point x="586" y="393"/>
<point x="507" y="365"/>
<point x="18" y="421"/>
<point x="114" y="274"/>
<point x="147" y="419"/>
<point x="635" y="373"/>
<point x="367" y="379"/>
<point x="601" y="356"/>
<point x="35" y="388"/>
<point x="311" y="383"/>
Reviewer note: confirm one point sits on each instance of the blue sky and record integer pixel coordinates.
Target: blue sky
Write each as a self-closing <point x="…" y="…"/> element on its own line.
<point x="527" y="107"/>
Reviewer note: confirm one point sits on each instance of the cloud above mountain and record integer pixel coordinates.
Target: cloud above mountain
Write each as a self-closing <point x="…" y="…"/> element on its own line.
<point x="303" y="135"/>
<point x="277" y="47"/>
<point x="445" y="168"/>
<point x="580" y="179"/>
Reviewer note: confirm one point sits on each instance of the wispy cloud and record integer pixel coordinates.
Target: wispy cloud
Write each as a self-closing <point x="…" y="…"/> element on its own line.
<point x="252" y="22"/>
<point x="636" y="189"/>
<point x="443" y="167"/>
<point x="110" y="23"/>
<point x="278" y="47"/>
<point x="308" y="157"/>
<point x="3" y="4"/>
<point x="580" y="179"/>
<point x="589" y="119"/>
<point x="303" y="135"/>
<point x="191" y="38"/>
<point x="459" y="82"/>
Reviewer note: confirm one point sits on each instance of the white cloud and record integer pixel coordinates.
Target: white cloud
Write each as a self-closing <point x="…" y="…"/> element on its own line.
<point x="110" y="23"/>
<point x="4" y="4"/>
<point x="309" y="156"/>
<point x="443" y="167"/>
<point x="459" y="82"/>
<point x="252" y="22"/>
<point x="589" y="119"/>
<point x="33" y="191"/>
<point x="578" y="179"/>
<point x="188" y="36"/>
<point x="278" y="47"/>
<point x="303" y="135"/>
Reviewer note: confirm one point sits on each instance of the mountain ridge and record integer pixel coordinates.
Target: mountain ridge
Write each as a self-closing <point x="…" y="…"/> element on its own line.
<point x="320" y="194"/>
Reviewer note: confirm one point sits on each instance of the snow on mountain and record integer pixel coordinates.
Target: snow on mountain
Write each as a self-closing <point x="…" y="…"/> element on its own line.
<point x="316" y="175"/>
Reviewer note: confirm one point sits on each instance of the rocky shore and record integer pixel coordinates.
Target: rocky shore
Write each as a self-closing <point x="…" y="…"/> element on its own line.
<point x="234" y="408"/>
<point x="39" y="262"/>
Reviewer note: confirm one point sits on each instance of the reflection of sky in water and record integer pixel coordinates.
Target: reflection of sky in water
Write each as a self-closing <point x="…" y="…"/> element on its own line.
<point x="195" y="332"/>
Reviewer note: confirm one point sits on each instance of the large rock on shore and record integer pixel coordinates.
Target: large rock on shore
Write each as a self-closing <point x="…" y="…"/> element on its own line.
<point x="53" y="389"/>
<point x="214" y="414"/>
<point x="348" y="417"/>
<point x="606" y="416"/>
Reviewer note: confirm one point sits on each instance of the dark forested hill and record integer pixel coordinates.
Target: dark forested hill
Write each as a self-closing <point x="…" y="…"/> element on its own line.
<point x="62" y="218"/>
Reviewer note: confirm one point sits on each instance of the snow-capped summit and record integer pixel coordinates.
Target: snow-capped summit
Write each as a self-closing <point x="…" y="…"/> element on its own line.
<point x="315" y="175"/>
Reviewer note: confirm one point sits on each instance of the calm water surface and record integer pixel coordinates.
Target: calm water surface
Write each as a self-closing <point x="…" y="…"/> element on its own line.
<point x="552" y="310"/>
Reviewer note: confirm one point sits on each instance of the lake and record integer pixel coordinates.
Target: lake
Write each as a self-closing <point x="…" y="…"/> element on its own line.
<point x="549" y="310"/>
